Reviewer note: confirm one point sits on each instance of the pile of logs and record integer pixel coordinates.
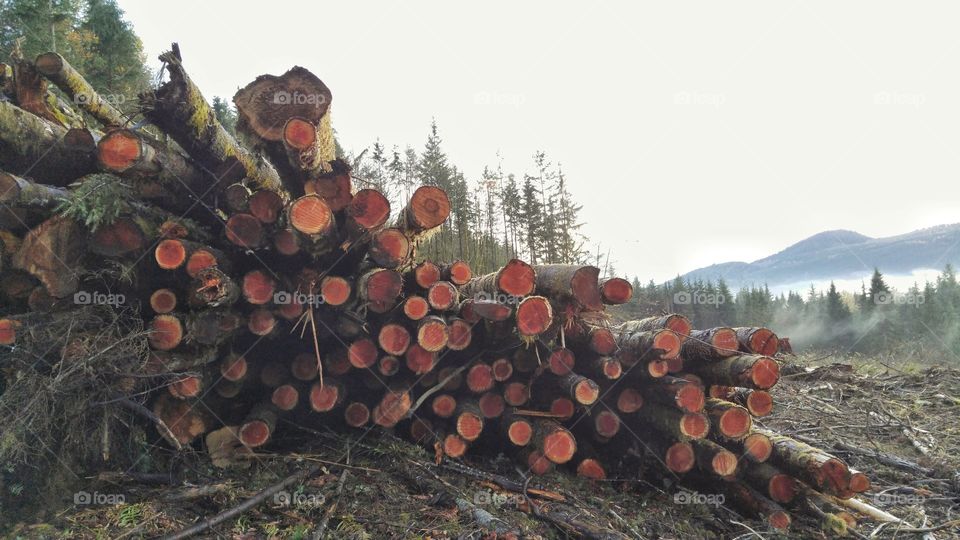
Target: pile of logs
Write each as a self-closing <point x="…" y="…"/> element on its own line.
<point x="275" y="293"/>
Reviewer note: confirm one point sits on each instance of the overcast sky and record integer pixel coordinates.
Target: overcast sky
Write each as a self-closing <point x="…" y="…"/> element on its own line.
<point x="692" y="132"/>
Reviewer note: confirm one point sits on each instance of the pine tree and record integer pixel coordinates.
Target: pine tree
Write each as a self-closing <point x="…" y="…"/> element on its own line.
<point x="115" y="65"/>
<point x="226" y="114"/>
<point x="531" y="219"/>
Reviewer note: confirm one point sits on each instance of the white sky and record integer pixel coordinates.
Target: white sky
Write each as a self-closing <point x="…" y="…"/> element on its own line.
<point x="692" y="132"/>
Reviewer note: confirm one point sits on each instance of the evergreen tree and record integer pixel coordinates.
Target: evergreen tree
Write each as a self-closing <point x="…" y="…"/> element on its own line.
<point x="225" y="113"/>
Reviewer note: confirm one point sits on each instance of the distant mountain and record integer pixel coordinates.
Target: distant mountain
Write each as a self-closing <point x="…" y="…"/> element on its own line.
<point x="840" y="254"/>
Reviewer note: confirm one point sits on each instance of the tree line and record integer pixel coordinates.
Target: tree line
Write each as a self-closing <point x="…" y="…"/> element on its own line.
<point x="921" y="320"/>
<point x="493" y="218"/>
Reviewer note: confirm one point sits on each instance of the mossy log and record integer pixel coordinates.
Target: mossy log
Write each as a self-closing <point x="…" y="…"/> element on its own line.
<point x="180" y="110"/>
<point x="58" y="71"/>
<point x="36" y="148"/>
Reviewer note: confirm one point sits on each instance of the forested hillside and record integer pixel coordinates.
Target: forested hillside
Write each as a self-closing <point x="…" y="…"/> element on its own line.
<point x="920" y="320"/>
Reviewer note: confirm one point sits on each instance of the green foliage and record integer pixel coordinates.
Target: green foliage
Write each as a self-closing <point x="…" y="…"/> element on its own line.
<point x="226" y="114"/>
<point x="92" y="35"/>
<point x="99" y="200"/>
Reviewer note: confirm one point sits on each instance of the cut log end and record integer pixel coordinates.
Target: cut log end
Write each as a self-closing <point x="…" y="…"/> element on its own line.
<point x="420" y="360"/>
<point x="735" y="423"/>
<point x="388" y="366"/>
<point x="335" y="290"/>
<point x="119" y="150"/>
<point x="517" y="278"/>
<point x="602" y="341"/>
<point x="763" y="341"/>
<point x="258" y="287"/>
<point x="606" y="424"/>
<point x="480" y="378"/>
<point x="254" y="433"/>
<point x="170" y="254"/>
<point x="454" y="446"/>
<point x="389" y="248"/>
<point x="442" y="295"/>
<point x="433" y="334"/>
<point x="586" y="392"/>
<point x="782" y="488"/>
<point x="186" y="387"/>
<point x="694" y="425"/>
<point x="859" y="482"/>
<point x="458" y="273"/>
<point x="469" y="426"/>
<point x="680" y="457"/>
<point x="163" y="301"/>
<point x="233" y="368"/>
<point x="691" y="398"/>
<point x="629" y="401"/>
<point x="615" y="291"/>
<point x="244" y="230"/>
<point x="429" y="207"/>
<point x="369" y="209"/>
<point x="502" y="369"/>
<point x="520" y="432"/>
<point x="325" y="397"/>
<point x="724" y="463"/>
<point x="492" y="405"/>
<point x="362" y="353"/>
<point x="199" y="260"/>
<point x="563" y="408"/>
<point x="394" y="339"/>
<point x="444" y="405"/>
<point x="311" y="215"/>
<point x="724" y="342"/>
<point x="668" y="342"/>
<point x="265" y="205"/>
<point x="516" y="394"/>
<point x="357" y="415"/>
<point x="299" y="133"/>
<point x="760" y="403"/>
<point x="534" y="316"/>
<point x="559" y="446"/>
<point x="592" y="469"/>
<point x="758" y="446"/>
<point x="538" y="463"/>
<point x="415" y="307"/>
<point x="426" y="274"/>
<point x="765" y="373"/>
<point x="8" y="331"/>
<point x="285" y="397"/>
<point x="285" y="242"/>
<point x="460" y="335"/>
<point x="166" y="332"/>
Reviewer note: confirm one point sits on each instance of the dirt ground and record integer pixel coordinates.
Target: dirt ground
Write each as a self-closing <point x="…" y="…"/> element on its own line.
<point x="374" y="485"/>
